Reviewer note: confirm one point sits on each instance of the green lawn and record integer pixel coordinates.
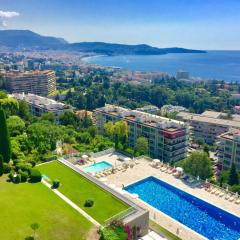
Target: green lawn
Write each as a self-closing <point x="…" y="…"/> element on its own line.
<point x="26" y="203"/>
<point x="78" y="189"/>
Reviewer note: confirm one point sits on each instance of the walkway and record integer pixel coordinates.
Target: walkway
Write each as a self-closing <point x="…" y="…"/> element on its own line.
<point x="73" y="205"/>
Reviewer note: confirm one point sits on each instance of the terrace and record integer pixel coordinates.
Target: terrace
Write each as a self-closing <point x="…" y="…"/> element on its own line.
<point x="78" y="187"/>
<point x="142" y="169"/>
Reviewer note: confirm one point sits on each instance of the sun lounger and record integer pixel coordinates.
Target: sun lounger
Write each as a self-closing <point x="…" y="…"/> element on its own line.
<point x="184" y="177"/>
<point x="231" y="199"/>
<point x="227" y="197"/>
<point x="237" y="201"/>
<point x="190" y="180"/>
<point x="221" y="194"/>
<point x="208" y="189"/>
<point x="177" y="174"/>
<point x="163" y="169"/>
<point x="214" y="190"/>
<point x="218" y="192"/>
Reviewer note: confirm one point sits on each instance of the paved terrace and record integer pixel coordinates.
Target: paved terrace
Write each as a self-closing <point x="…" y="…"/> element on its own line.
<point x="144" y="170"/>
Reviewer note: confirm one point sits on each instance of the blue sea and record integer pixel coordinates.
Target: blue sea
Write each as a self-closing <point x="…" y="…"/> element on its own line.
<point x="221" y="65"/>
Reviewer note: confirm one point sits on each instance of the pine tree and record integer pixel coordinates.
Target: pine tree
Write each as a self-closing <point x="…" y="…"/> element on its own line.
<point x="5" y="145"/>
<point x="1" y="165"/>
<point x="233" y="176"/>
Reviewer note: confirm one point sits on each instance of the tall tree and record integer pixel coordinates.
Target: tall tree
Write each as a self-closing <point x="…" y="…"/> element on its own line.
<point x="1" y="165"/>
<point x="233" y="176"/>
<point x="86" y="121"/>
<point x="5" y="145"/>
<point x="24" y="111"/>
<point x="198" y="164"/>
<point x="141" y="146"/>
<point x="121" y="130"/>
<point x="15" y="125"/>
<point x="109" y="129"/>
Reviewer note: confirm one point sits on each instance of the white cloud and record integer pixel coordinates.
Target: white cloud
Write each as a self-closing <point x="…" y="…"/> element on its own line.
<point x="6" y="14"/>
<point x="3" y="23"/>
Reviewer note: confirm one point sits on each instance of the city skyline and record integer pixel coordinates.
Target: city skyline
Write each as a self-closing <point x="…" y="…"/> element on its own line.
<point x="158" y="23"/>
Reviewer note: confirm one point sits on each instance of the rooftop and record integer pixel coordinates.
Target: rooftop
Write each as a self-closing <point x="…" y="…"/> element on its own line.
<point x="27" y="73"/>
<point x="41" y="102"/>
<point x="211" y="118"/>
<point x="147" y="108"/>
<point x="211" y="114"/>
<point x="233" y="134"/>
<point x="142" y="117"/>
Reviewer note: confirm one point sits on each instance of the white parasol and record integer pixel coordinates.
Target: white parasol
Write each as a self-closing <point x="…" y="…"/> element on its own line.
<point x="156" y="160"/>
<point x="179" y="169"/>
<point x="84" y="156"/>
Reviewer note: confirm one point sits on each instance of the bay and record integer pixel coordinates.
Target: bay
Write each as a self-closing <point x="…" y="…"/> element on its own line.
<point x="221" y="65"/>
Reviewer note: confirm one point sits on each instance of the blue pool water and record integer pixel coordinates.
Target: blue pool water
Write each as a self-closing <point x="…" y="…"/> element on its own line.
<point x="202" y="217"/>
<point x="97" y="167"/>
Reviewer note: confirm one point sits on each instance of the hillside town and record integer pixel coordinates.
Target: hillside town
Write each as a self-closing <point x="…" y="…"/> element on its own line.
<point x="115" y="127"/>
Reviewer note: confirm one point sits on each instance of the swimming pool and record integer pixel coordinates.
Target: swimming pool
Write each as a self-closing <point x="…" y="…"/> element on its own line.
<point x="202" y="217"/>
<point x="97" y="167"/>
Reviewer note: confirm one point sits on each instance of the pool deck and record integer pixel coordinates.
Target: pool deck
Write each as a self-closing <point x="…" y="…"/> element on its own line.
<point x="144" y="170"/>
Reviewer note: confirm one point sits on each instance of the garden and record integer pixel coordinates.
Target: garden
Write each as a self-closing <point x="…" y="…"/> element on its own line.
<point x="27" y="205"/>
<point x="79" y="189"/>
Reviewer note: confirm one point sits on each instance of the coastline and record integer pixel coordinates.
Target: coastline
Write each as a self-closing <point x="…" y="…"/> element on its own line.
<point x="213" y="65"/>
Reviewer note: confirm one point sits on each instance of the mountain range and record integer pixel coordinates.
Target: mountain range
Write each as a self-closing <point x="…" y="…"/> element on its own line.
<point x="28" y="40"/>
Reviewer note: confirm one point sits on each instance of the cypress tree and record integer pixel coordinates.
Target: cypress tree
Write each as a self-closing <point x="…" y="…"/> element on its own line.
<point x="5" y="145"/>
<point x="1" y="165"/>
<point x="233" y="176"/>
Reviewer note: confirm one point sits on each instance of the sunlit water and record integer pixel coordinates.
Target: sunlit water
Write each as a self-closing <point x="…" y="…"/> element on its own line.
<point x="222" y="65"/>
<point x="200" y="216"/>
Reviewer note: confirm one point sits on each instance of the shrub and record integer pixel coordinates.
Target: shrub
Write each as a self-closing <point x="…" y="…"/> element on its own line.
<point x="236" y="188"/>
<point x="56" y="183"/>
<point x="88" y="203"/>
<point x="6" y="168"/>
<point x="35" y="176"/>
<point x="17" y="179"/>
<point x="22" y="166"/>
<point x="10" y="175"/>
<point x="24" y="176"/>
<point x="1" y="165"/>
<point x="33" y="163"/>
<point x="110" y="233"/>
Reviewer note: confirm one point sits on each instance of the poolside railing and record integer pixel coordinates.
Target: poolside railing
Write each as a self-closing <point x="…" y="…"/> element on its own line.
<point x="91" y="154"/>
<point x="120" y="216"/>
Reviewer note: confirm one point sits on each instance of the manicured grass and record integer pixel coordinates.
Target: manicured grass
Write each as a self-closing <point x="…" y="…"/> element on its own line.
<point x="26" y="203"/>
<point x="157" y="228"/>
<point x="79" y="189"/>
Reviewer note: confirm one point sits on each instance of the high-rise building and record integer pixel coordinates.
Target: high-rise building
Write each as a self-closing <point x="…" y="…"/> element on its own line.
<point x="36" y="82"/>
<point x="182" y="75"/>
<point x="208" y="125"/>
<point x="39" y="105"/>
<point x="168" y="139"/>
<point x="229" y="149"/>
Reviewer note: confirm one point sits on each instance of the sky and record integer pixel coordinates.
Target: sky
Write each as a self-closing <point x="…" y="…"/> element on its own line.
<point x="197" y="24"/>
